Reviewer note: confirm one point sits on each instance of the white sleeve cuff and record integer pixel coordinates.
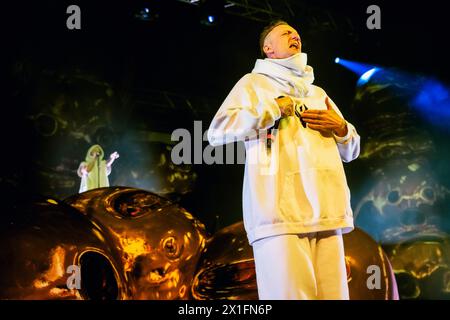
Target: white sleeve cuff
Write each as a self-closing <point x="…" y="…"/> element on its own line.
<point x="347" y="136"/>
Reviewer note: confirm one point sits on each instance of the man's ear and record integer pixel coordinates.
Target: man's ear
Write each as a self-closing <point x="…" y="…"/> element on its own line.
<point x="267" y="49"/>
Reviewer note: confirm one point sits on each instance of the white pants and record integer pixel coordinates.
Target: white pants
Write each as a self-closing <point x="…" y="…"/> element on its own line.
<point x="304" y="266"/>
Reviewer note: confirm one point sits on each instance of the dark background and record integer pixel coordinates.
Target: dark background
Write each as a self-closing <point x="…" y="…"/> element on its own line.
<point x="164" y="74"/>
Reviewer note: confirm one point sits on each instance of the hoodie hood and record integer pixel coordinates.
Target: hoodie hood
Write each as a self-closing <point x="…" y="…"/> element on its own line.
<point x="97" y="148"/>
<point x="292" y="71"/>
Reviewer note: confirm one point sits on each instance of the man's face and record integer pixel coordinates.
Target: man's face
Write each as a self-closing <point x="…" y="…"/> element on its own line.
<point x="282" y="42"/>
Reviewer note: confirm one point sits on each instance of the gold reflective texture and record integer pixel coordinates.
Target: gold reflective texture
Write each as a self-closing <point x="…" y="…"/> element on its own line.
<point x="40" y="240"/>
<point x="228" y="272"/>
<point x="159" y="243"/>
<point x="227" y="269"/>
<point x="364" y="259"/>
<point x="133" y="244"/>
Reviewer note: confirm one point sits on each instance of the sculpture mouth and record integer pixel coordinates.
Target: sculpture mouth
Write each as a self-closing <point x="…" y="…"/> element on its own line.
<point x="230" y="281"/>
<point x="413" y="217"/>
<point x="157" y="277"/>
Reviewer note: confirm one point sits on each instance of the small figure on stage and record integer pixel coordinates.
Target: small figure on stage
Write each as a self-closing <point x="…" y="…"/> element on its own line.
<point x="94" y="171"/>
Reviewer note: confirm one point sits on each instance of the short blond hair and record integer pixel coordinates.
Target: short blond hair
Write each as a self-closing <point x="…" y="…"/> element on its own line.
<point x="266" y="31"/>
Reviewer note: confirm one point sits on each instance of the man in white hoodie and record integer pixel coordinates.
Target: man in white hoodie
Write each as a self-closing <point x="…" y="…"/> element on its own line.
<point x="296" y="202"/>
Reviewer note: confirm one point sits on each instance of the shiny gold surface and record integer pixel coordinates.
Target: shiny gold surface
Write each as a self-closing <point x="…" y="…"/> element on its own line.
<point x="227" y="267"/>
<point x="133" y="244"/>
<point x="39" y="240"/>
<point x="361" y="252"/>
<point x="227" y="270"/>
<point x="159" y="243"/>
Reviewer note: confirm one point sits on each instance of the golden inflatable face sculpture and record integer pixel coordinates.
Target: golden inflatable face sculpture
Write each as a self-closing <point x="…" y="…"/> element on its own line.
<point x="42" y="242"/>
<point x="132" y="244"/>
<point x="159" y="243"/>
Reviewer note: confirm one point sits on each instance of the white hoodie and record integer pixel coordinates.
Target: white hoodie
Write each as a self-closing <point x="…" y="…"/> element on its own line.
<point x="299" y="184"/>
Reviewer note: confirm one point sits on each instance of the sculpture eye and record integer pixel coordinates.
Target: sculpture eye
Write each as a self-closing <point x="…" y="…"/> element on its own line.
<point x="427" y="194"/>
<point x="171" y="247"/>
<point x="393" y="196"/>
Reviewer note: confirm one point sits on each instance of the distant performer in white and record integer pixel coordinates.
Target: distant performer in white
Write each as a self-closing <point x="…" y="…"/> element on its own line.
<point x="94" y="171"/>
